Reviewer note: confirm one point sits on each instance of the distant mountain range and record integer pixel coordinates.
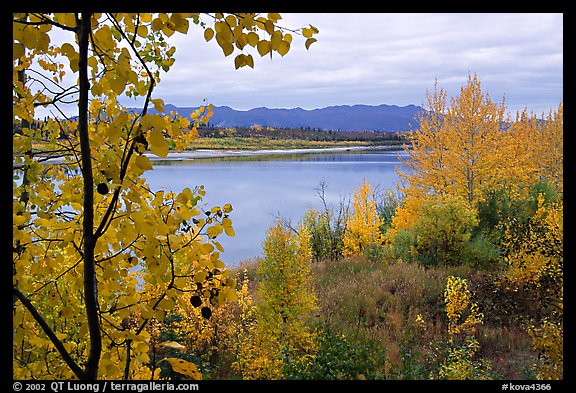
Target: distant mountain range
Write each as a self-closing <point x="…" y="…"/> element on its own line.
<point x="384" y="118"/>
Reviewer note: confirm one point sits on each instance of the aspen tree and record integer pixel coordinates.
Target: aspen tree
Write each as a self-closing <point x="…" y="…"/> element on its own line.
<point x="93" y="245"/>
<point x="363" y="224"/>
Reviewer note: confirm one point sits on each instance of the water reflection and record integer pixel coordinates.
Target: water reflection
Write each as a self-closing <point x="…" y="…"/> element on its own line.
<point x="262" y="188"/>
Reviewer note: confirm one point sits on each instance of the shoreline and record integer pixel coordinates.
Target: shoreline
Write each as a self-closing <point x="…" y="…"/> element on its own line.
<point x="216" y="153"/>
<point x="231" y="153"/>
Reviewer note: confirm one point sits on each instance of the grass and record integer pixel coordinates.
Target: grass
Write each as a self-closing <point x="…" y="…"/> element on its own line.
<point x="378" y="301"/>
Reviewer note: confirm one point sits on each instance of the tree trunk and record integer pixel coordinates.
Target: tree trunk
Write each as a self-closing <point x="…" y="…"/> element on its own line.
<point x="89" y="239"/>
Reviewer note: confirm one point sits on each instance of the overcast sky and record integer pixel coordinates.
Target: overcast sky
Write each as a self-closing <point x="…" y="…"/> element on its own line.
<point x="379" y="59"/>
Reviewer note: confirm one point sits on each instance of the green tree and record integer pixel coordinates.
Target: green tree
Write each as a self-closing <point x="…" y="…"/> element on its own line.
<point x="97" y="254"/>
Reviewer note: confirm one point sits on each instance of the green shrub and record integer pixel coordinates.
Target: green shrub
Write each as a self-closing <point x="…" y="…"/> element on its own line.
<point x="326" y="234"/>
<point x="440" y="235"/>
<point x="340" y="357"/>
<point x="481" y="253"/>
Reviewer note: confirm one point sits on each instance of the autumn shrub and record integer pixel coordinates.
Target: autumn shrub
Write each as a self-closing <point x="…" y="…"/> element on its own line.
<point x="386" y="205"/>
<point x="341" y="357"/>
<point x="440" y="233"/>
<point x="481" y="253"/>
<point x="500" y="208"/>
<point x="459" y="353"/>
<point x="326" y="233"/>
<point x="535" y="264"/>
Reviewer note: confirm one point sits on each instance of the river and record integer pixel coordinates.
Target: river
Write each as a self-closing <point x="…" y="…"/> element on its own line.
<point x="262" y="188"/>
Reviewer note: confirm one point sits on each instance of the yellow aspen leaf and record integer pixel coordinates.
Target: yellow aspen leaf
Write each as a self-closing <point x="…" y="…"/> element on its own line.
<point x="239" y="61"/>
<point x="29" y="38"/>
<point x="229" y="231"/>
<point x="66" y="19"/>
<point x="17" y="50"/>
<point x="206" y="248"/>
<point x="143" y="163"/>
<point x="231" y="20"/>
<point x="252" y="38"/>
<point x="162" y="229"/>
<point x="142" y="31"/>
<point x="157" y="143"/>
<point x="182" y="367"/>
<point x="167" y="29"/>
<point x="184" y="196"/>
<point x="309" y="42"/>
<point x="67" y="49"/>
<point x="157" y="24"/>
<point x="43" y="40"/>
<point x="74" y="64"/>
<point x="200" y="276"/>
<point x="153" y="121"/>
<point x="181" y="24"/>
<point x="227" y="48"/>
<point x="218" y="246"/>
<point x="208" y="34"/>
<point x="145" y="17"/>
<point x="274" y="17"/>
<point x="275" y="39"/>
<point x="269" y="26"/>
<point x="167" y="304"/>
<point x="146" y="312"/>
<point x="283" y="47"/>
<point x="263" y="47"/>
<point x="118" y="84"/>
<point x="214" y="231"/>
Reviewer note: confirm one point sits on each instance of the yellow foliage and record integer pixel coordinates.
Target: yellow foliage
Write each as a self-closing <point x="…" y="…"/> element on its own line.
<point x="463" y="314"/>
<point x="93" y="219"/>
<point x="184" y="368"/>
<point x="548" y="340"/>
<point x="541" y="251"/>
<point x="462" y="347"/>
<point x="536" y="261"/>
<point x="363" y="225"/>
<point x="463" y="148"/>
<point x="280" y="331"/>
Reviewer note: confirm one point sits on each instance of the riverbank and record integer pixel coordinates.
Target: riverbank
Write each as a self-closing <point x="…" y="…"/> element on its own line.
<point x="217" y="153"/>
<point x="199" y="154"/>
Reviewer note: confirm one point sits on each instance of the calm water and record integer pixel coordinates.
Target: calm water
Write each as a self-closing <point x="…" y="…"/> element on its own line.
<point x="261" y="189"/>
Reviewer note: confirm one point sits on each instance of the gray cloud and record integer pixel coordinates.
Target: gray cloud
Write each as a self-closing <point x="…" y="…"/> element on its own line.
<point x="379" y="59"/>
<point x="382" y="58"/>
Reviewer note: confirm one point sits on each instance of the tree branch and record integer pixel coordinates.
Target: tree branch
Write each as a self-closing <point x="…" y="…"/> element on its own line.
<point x="50" y="333"/>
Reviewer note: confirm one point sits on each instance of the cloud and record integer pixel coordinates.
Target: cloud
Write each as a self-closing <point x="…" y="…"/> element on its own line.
<point x="383" y="58"/>
<point x="379" y="59"/>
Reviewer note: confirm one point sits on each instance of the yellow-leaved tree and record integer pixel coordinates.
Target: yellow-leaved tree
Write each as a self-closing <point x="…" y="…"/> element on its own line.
<point x="97" y="254"/>
<point x="363" y="224"/>
<point x="280" y="333"/>
<point x="458" y="148"/>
